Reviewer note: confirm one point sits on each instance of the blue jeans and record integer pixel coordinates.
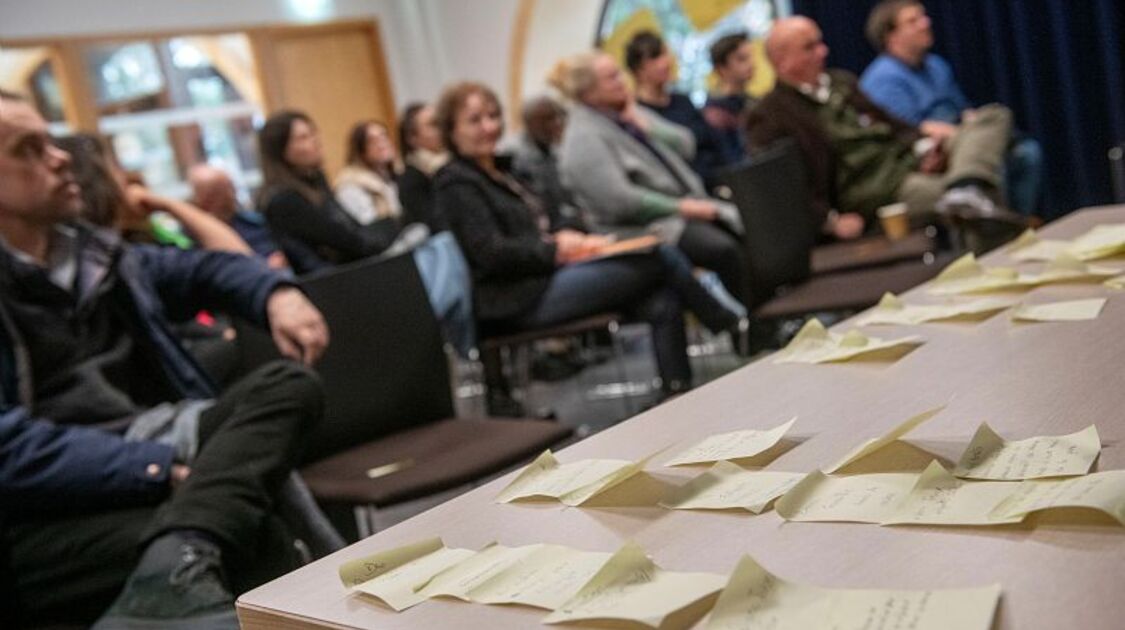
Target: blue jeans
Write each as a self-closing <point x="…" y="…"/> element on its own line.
<point x="449" y="287"/>
<point x="1023" y="174"/>
<point x="634" y="285"/>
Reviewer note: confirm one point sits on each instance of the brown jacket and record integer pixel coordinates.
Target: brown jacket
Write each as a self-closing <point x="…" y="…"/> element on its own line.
<point x="787" y="113"/>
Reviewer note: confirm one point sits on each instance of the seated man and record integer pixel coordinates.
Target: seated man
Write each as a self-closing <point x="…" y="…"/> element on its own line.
<point x="918" y="86"/>
<point x="857" y="156"/>
<point x="213" y="191"/>
<point x="535" y="161"/>
<point x="121" y="475"/>
<point x="732" y="58"/>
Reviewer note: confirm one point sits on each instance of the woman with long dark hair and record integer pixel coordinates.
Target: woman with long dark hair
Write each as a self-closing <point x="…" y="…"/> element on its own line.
<point x="423" y="155"/>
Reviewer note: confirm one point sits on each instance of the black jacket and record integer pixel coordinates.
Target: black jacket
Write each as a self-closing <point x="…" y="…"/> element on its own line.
<point x="511" y="260"/>
<point x="314" y="237"/>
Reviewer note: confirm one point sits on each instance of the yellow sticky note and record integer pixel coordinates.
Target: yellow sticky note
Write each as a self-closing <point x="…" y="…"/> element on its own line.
<point x="990" y="456"/>
<point x="732" y="445"/>
<point x="630" y="587"/>
<point x="856" y="498"/>
<point x="704" y="13"/>
<point x="755" y="599"/>
<point x="543" y="576"/>
<point x="1067" y="311"/>
<point x="939" y="498"/>
<point x="727" y="486"/>
<point x="892" y="310"/>
<point x="876" y="443"/>
<point x="966" y="275"/>
<point x="1030" y="247"/>
<point x="1101" y="241"/>
<point x="1103" y="491"/>
<point x="1066" y="268"/>
<point x="392" y="576"/>
<point x="814" y="344"/>
<point x="573" y="483"/>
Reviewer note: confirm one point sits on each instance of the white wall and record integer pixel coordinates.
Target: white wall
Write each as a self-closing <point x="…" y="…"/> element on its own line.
<point x="429" y="43"/>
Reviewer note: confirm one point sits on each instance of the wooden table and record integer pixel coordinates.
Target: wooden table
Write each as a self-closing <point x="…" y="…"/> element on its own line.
<point x="1058" y="570"/>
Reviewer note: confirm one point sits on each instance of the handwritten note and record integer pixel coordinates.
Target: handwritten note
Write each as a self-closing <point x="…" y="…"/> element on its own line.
<point x="989" y="456"/>
<point x="893" y="311"/>
<point x="1068" y="311"/>
<point x="573" y="483"/>
<point x="1101" y="241"/>
<point x="727" y="485"/>
<point x="755" y="599"/>
<point x="1103" y="491"/>
<point x="1030" y="247"/>
<point x="876" y="443"/>
<point x="733" y="445"/>
<point x="966" y="275"/>
<point x="856" y="498"/>
<point x="814" y="344"/>
<point x="392" y="576"/>
<point x="939" y="498"/>
<point x="544" y="576"/>
<point x="630" y="587"/>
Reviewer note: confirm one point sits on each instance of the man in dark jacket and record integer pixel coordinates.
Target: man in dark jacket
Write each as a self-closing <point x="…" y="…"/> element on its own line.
<point x="857" y="156"/>
<point x="89" y="508"/>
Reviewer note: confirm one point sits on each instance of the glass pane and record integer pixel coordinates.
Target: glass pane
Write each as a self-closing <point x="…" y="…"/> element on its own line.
<point x="29" y="71"/>
<point x="121" y="73"/>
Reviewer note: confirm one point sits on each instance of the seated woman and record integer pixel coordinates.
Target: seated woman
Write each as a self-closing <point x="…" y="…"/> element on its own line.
<point x="626" y="166"/>
<point x="527" y="277"/>
<point x="650" y="62"/>
<point x="315" y="231"/>
<point x="423" y="154"/>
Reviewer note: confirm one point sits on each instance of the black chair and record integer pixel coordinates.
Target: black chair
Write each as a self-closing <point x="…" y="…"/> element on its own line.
<point x="389" y="433"/>
<point x="772" y="194"/>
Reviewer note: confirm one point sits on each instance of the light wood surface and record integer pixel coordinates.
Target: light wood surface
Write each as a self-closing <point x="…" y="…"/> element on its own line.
<point x="1057" y="570"/>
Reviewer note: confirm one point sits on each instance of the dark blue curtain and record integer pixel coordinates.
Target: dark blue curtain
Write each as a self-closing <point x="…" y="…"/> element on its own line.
<point x="1056" y="63"/>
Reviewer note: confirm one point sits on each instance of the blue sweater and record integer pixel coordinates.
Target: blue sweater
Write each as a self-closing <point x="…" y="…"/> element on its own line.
<point x="913" y="94"/>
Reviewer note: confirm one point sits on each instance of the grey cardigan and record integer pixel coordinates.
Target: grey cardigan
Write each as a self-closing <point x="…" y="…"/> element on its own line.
<point x="624" y="187"/>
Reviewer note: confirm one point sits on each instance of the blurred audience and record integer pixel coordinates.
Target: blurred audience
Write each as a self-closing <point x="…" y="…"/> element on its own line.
<point x="627" y="167"/>
<point x="653" y="68"/>
<point x="732" y="60"/>
<point x="528" y="277"/>
<point x="918" y="86"/>
<point x="423" y="154"/>
<point x="213" y="192"/>
<point x="857" y="156"/>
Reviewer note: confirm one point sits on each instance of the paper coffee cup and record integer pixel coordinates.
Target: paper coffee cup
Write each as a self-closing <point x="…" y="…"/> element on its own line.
<point x="895" y="223"/>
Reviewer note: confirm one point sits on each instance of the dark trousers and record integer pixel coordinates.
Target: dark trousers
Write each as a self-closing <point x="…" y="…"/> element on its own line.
<point x="709" y="246"/>
<point x="69" y="568"/>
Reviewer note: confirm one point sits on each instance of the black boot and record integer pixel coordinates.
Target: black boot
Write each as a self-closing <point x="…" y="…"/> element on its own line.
<point x="178" y="584"/>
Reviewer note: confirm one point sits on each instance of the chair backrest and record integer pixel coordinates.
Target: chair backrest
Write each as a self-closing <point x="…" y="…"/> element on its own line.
<point x="773" y="196"/>
<point x="385" y="369"/>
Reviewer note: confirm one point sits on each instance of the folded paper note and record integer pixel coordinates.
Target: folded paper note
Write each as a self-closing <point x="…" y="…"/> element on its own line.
<point x="1103" y="491"/>
<point x="814" y="344"/>
<point x="1101" y="241"/>
<point x="573" y="483"/>
<point x="856" y="498"/>
<point x="730" y="486"/>
<point x="630" y="587"/>
<point x="1068" y="311"/>
<point x="755" y="599"/>
<point x="1030" y="247"/>
<point x="392" y="576"/>
<point x="732" y="445"/>
<point x="544" y="576"/>
<point x="892" y="310"/>
<point x="939" y="498"/>
<point x="990" y="456"/>
<point x="966" y="275"/>
<point x="876" y="443"/>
